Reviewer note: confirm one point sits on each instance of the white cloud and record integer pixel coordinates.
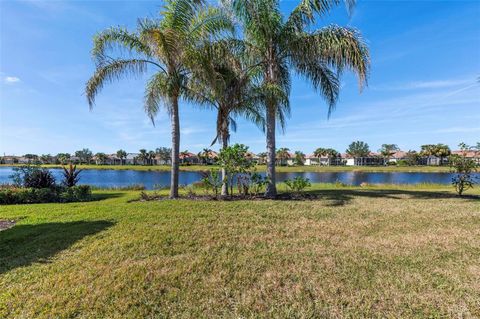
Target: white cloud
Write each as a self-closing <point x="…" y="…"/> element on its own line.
<point x="435" y="84"/>
<point x="11" y="79"/>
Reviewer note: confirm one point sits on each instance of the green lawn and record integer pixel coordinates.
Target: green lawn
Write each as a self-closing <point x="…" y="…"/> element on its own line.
<point x="261" y="168"/>
<point x="354" y="252"/>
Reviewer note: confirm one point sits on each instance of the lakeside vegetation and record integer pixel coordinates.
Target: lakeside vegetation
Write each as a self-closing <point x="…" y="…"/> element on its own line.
<point x="292" y="169"/>
<point x="374" y="251"/>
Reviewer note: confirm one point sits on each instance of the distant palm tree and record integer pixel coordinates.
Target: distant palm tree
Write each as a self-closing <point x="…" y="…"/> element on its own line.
<point x="204" y="155"/>
<point x="151" y="157"/>
<point x="283" y="155"/>
<point x="299" y="158"/>
<point x="280" y="45"/>
<point x="101" y="157"/>
<point x="63" y="158"/>
<point x="262" y="157"/>
<point x="167" y="46"/>
<point x="164" y="153"/>
<point x="122" y="155"/>
<point x="387" y="151"/>
<point x="143" y="156"/>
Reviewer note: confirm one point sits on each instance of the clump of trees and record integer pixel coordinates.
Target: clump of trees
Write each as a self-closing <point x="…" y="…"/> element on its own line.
<point x="193" y="55"/>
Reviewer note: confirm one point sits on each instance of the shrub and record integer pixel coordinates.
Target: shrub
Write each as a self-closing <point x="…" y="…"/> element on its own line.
<point x="17" y="195"/>
<point x="298" y="184"/>
<point x="403" y="163"/>
<point x="211" y="181"/>
<point x="32" y="176"/>
<point x="70" y="175"/>
<point x="258" y="183"/>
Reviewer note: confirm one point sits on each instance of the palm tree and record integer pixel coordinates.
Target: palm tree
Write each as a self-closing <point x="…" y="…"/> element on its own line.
<point x="121" y="154"/>
<point x="101" y="157"/>
<point x="299" y="158"/>
<point x="168" y="47"/>
<point x="262" y="157"/>
<point x="283" y="155"/>
<point x="279" y="45"/>
<point x="151" y="157"/>
<point x="387" y="151"/>
<point x="204" y="155"/>
<point x="227" y="84"/>
<point x="63" y="158"/>
<point x="143" y="156"/>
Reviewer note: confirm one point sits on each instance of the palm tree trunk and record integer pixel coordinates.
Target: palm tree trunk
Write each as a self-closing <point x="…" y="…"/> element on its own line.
<point x="271" y="190"/>
<point x="174" y="116"/>
<point x="224" y="172"/>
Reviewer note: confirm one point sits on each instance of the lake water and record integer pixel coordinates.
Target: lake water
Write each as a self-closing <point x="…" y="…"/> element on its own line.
<point x="120" y="178"/>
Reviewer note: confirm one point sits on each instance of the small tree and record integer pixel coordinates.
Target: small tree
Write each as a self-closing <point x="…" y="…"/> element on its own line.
<point x="358" y="149"/>
<point x="463" y="167"/>
<point x="387" y="151"/>
<point x="233" y="159"/>
<point x="212" y="180"/>
<point x="412" y="158"/>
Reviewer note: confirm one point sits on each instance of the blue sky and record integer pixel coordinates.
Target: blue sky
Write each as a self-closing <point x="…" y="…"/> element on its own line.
<point x="422" y="87"/>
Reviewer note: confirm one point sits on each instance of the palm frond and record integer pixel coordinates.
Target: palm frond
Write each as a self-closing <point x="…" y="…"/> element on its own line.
<point x="118" y="38"/>
<point x="341" y="48"/>
<point x="112" y="71"/>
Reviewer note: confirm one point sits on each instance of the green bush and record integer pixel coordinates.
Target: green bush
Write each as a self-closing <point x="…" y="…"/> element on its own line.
<point x="20" y="195"/>
<point x="298" y="184"/>
<point x="403" y="163"/>
<point x="33" y="176"/>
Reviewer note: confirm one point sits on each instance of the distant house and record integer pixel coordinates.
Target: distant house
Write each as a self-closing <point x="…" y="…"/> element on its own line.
<point x="161" y="160"/>
<point x="212" y="158"/>
<point x="397" y="156"/>
<point x="311" y="159"/>
<point x="188" y="158"/>
<point x="473" y="155"/>
<point x="373" y="159"/>
<point x="9" y="159"/>
<point x="131" y="158"/>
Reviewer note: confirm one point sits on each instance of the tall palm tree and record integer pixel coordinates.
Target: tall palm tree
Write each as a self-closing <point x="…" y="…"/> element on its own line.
<point x="281" y="45"/>
<point x="227" y="83"/>
<point x="168" y="47"/>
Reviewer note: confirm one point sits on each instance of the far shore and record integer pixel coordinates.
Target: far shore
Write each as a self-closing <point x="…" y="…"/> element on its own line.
<point x="262" y="168"/>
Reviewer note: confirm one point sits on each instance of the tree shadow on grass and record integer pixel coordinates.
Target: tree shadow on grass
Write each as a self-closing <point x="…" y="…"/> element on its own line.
<point x="104" y="196"/>
<point x="340" y="197"/>
<point x="23" y="245"/>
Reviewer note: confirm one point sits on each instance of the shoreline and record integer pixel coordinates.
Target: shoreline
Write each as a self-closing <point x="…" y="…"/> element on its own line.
<point x="260" y="168"/>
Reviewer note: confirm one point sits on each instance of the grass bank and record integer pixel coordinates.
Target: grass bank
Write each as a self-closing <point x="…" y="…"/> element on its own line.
<point x="355" y="252"/>
<point x="261" y="168"/>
